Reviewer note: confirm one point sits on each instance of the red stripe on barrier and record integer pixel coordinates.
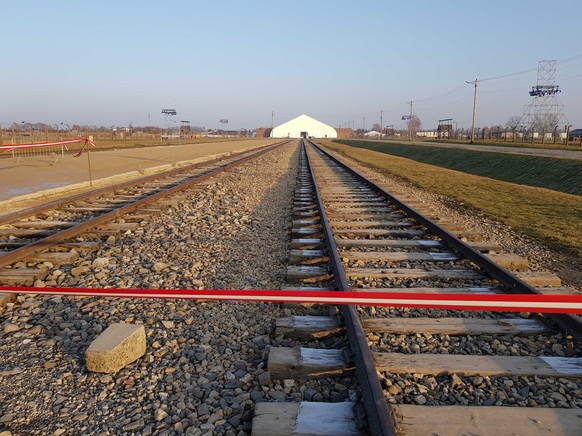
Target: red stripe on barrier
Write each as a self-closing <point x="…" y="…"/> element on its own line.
<point x="45" y="144"/>
<point x="566" y="303"/>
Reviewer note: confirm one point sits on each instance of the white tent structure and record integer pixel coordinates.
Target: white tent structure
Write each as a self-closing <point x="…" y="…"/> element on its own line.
<point x="372" y="134"/>
<point x="303" y="126"/>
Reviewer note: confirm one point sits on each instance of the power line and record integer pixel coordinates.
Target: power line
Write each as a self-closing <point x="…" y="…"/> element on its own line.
<point x="571" y="77"/>
<point x="453" y="91"/>
<point x="509" y="75"/>
<point x="563" y="61"/>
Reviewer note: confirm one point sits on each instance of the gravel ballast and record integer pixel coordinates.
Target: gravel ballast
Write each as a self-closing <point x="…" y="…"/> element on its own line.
<point x="205" y="363"/>
<point x="453" y="389"/>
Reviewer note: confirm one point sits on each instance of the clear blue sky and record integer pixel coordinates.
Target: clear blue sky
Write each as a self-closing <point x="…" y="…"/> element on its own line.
<point x="114" y="62"/>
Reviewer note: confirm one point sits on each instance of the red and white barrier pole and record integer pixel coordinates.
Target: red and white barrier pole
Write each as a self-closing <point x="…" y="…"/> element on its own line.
<point x="567" y="303"/>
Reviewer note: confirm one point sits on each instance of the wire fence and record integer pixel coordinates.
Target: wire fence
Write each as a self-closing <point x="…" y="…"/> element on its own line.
<point x="53" y="152"/>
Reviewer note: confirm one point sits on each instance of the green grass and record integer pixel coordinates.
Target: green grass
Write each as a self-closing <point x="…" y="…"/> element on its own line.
<point x="573" y="145"/>
<point x="564" y="175"/>
<point x="553" y="218"/>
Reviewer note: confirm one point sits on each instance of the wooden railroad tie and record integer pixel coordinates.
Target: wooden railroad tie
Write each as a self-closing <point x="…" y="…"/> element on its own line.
<point x="308" y="327"/>
<point x="284" y="362"/>
<point x="455" y="326"/>
<point x="305" y="419"/>
<point x="491" y="420"/>
<point x="438" y="364"/>
<point x="21" y="276"/>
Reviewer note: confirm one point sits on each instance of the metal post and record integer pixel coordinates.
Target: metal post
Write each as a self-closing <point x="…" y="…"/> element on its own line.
<point x="89" y="163"/>
<point x="568" y="135"/>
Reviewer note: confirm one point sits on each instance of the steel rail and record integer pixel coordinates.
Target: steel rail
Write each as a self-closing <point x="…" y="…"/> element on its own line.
<point x="380" y="415"/>
<point x="4" y="219"/>
<point x="44" y="243"/>
<point x="571" y="324"/>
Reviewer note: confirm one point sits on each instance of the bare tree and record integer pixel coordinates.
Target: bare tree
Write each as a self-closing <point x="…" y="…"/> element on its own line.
<point x="415" y="123"/>
<point x="545" y="122"/>
<point x="376" y="127"/>
<point x="513" y="122"/>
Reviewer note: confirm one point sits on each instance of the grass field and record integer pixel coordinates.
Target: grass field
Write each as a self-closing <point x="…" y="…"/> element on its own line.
<point x="564" y="175"/>
<point x="572" y="146"/>
<point x="553" y="218"/>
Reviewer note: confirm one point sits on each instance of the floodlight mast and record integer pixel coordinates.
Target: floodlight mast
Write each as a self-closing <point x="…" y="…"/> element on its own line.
<point x="544" y="113"/>
<point x="538" y="91"/>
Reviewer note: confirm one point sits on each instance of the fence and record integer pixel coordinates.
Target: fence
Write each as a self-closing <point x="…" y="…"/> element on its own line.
<point x="55" y="152"/>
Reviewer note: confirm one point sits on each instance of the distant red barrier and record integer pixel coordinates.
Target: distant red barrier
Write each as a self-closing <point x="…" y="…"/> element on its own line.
<point x="567" y="303"/>
<point x="85" y="140"/>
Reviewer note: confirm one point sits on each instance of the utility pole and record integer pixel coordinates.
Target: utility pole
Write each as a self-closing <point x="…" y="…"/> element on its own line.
<point x="410" y="121"/>
<point x="381" y="125"/>
<point x="364" y="124"/>
<point x="476" y="83"/>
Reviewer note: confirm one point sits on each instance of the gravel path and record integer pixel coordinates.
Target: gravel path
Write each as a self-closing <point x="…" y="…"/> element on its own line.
<point x="205" y="364"/>
<point x="34" y="176"/>
<point x="542" y="152"/>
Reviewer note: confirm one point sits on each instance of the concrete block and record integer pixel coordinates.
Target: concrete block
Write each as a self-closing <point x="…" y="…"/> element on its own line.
<point x="5" y="299"/>
<point x="119" y="345"/>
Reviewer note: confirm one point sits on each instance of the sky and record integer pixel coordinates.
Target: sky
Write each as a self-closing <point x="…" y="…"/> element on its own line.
<point x="116" y="63"/>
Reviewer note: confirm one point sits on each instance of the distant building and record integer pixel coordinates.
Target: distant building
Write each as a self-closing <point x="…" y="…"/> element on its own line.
<point x="427" y="134"/>
<point x="344" y="133"/>
<point x="263" y="132"/>
<point x="304" y="126"/>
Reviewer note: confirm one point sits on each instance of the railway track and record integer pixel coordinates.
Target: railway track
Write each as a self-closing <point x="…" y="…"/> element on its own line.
<point x="419" y="371"/>
<point x="47" y="232"/>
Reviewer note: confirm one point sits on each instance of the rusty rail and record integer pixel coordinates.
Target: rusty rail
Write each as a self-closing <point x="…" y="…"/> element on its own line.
<point x="379" y="413"/>
<point x="44" y="243"/>
<point x="572" y="324"/>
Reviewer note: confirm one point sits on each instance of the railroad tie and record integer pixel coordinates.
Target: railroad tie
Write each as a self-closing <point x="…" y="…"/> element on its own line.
<point x="285" y="362"/>
<point x="305" y="418"/>
<point x="480" y="420"/>
<point x="468" y="365"/>
<point x="308" y="327"/>
<point x="21" y="276"/>
<point x="455" y="326"/>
